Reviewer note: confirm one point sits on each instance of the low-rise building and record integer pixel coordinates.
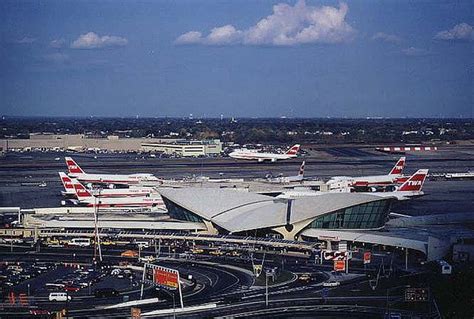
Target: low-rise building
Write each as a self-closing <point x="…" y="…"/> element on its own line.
<point x="185" y="148"/>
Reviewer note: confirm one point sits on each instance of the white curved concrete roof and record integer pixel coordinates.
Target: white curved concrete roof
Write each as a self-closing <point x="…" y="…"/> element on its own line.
<point x="237" y="211"/>
<point x="309" y="207"/>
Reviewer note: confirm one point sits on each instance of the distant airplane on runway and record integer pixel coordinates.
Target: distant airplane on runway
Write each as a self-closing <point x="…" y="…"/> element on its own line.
<point x="260" y="157"/>
<point x="393" y="177"/>
<point x="77" y="172"/>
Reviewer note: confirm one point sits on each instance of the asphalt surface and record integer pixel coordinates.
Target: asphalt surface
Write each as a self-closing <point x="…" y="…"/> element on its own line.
<point x="20" y="173"/>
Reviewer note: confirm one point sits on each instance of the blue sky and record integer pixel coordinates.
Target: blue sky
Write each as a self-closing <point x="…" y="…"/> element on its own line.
<point x="237" y="58"/>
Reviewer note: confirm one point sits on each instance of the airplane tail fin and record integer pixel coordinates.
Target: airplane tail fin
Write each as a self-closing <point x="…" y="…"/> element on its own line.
<point x="73" y="167"/>
<point x="415" y="182"/>
<point x="398" y="168"/>
<point x="293" y="150"/>
<point x="67" y="182"/>
<point x="301" y="172"/>
<point x="81" y="191"/>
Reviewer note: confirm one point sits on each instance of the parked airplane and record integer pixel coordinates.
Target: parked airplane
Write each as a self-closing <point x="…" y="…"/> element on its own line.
<point x="393" y="177"/>
<point x="273" y="157"/>
<point x="85" y="198"/>
<point x="289" y="179"/>
<point x="410" y="188"/>
<point x="105" y="192"/>
<point x="77" y="172"/>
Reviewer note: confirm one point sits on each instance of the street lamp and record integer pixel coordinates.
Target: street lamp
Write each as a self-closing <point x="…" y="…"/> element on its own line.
<point x="266" y="287"/>
<point x="96" y="226"/>
<point x="174" y="304"/>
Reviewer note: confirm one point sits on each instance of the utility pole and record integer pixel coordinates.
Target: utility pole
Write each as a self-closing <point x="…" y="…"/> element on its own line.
<point x="266" y="288"/>
<point x="406" y="258"/>
<point x="96" y="227"/>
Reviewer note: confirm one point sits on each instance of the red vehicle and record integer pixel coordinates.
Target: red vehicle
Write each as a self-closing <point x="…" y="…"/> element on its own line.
<point x="72" y="288"/>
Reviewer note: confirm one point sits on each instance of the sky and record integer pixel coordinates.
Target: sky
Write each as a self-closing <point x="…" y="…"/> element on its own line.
<point x="237" y="58"/>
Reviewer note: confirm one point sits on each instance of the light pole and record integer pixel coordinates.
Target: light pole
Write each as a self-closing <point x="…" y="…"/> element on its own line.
<point x="266" y="290"/>
<point x="96" y="226"/>
<point x="174" y="305"/>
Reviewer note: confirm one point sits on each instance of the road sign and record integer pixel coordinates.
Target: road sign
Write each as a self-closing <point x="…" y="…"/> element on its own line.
<point x="257" y="270"/>
<point x="166" y="277"/>
<point x="162" y="276"/>
<point x="339" y="265"/>
<point x="335" y="255"/>
<point x="343" y="246"/>
<point x="367" y="257"/>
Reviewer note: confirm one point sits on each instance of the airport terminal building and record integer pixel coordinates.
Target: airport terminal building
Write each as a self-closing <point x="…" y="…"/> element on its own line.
<point x="359" y="219"/>
<point x="226" y="211"/>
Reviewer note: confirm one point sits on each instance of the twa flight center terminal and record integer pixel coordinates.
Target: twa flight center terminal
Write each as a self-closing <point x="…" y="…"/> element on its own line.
<point x="357" y="218"/>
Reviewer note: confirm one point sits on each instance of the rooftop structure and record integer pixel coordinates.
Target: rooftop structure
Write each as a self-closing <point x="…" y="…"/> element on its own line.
<point x="231" y="211"/>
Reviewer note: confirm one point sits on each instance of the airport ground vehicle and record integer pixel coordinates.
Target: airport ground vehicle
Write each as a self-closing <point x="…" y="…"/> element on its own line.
<point x="59" y="296"/>
<point x="129" y="254"/>
<point x="81" y="242"/>
<point x="331" y="283"/>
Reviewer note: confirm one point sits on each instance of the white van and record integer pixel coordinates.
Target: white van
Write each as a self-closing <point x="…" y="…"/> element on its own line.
<point x="81" y="242"/>
<point x="59" y="296"/>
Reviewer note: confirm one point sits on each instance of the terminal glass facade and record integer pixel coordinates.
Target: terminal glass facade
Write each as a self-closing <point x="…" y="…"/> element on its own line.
<point x="365" y="216"/>
<point x="177" y="212"/>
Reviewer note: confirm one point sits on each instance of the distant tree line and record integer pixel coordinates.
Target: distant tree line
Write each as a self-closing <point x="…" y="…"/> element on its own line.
<point x="242" y="131"/>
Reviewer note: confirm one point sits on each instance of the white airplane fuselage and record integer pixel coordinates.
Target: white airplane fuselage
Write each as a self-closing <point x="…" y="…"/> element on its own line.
<point x="152" y="201"/>
<point x="375" y="180"/>
<point x="251" y="155"/>
<point x="133" y="179"/>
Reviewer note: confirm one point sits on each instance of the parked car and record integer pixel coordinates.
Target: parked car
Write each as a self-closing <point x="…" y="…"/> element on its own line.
<point x="331" y="283"/>
<point x="72" y="288"/>
<point x="59" y="296"/>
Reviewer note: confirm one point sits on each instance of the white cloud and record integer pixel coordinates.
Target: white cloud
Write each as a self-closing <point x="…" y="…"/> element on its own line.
<point x="412" y="51"/>
<point x="57" y="43"/>
<point x="224" y="35"/>
<point x="461" y="31"/>
<point x="92" y="40"/>
<point x="190" y="37"/>
<point x="385" y="37"/>
<point x="287" y="26"/>
<point x="25" y="40"/>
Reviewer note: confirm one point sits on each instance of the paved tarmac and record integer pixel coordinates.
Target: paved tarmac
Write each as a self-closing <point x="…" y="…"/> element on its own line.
<point x="20" y="173"/>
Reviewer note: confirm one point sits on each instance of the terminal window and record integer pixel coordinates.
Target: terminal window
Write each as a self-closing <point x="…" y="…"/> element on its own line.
<point x="364" y="216"/>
